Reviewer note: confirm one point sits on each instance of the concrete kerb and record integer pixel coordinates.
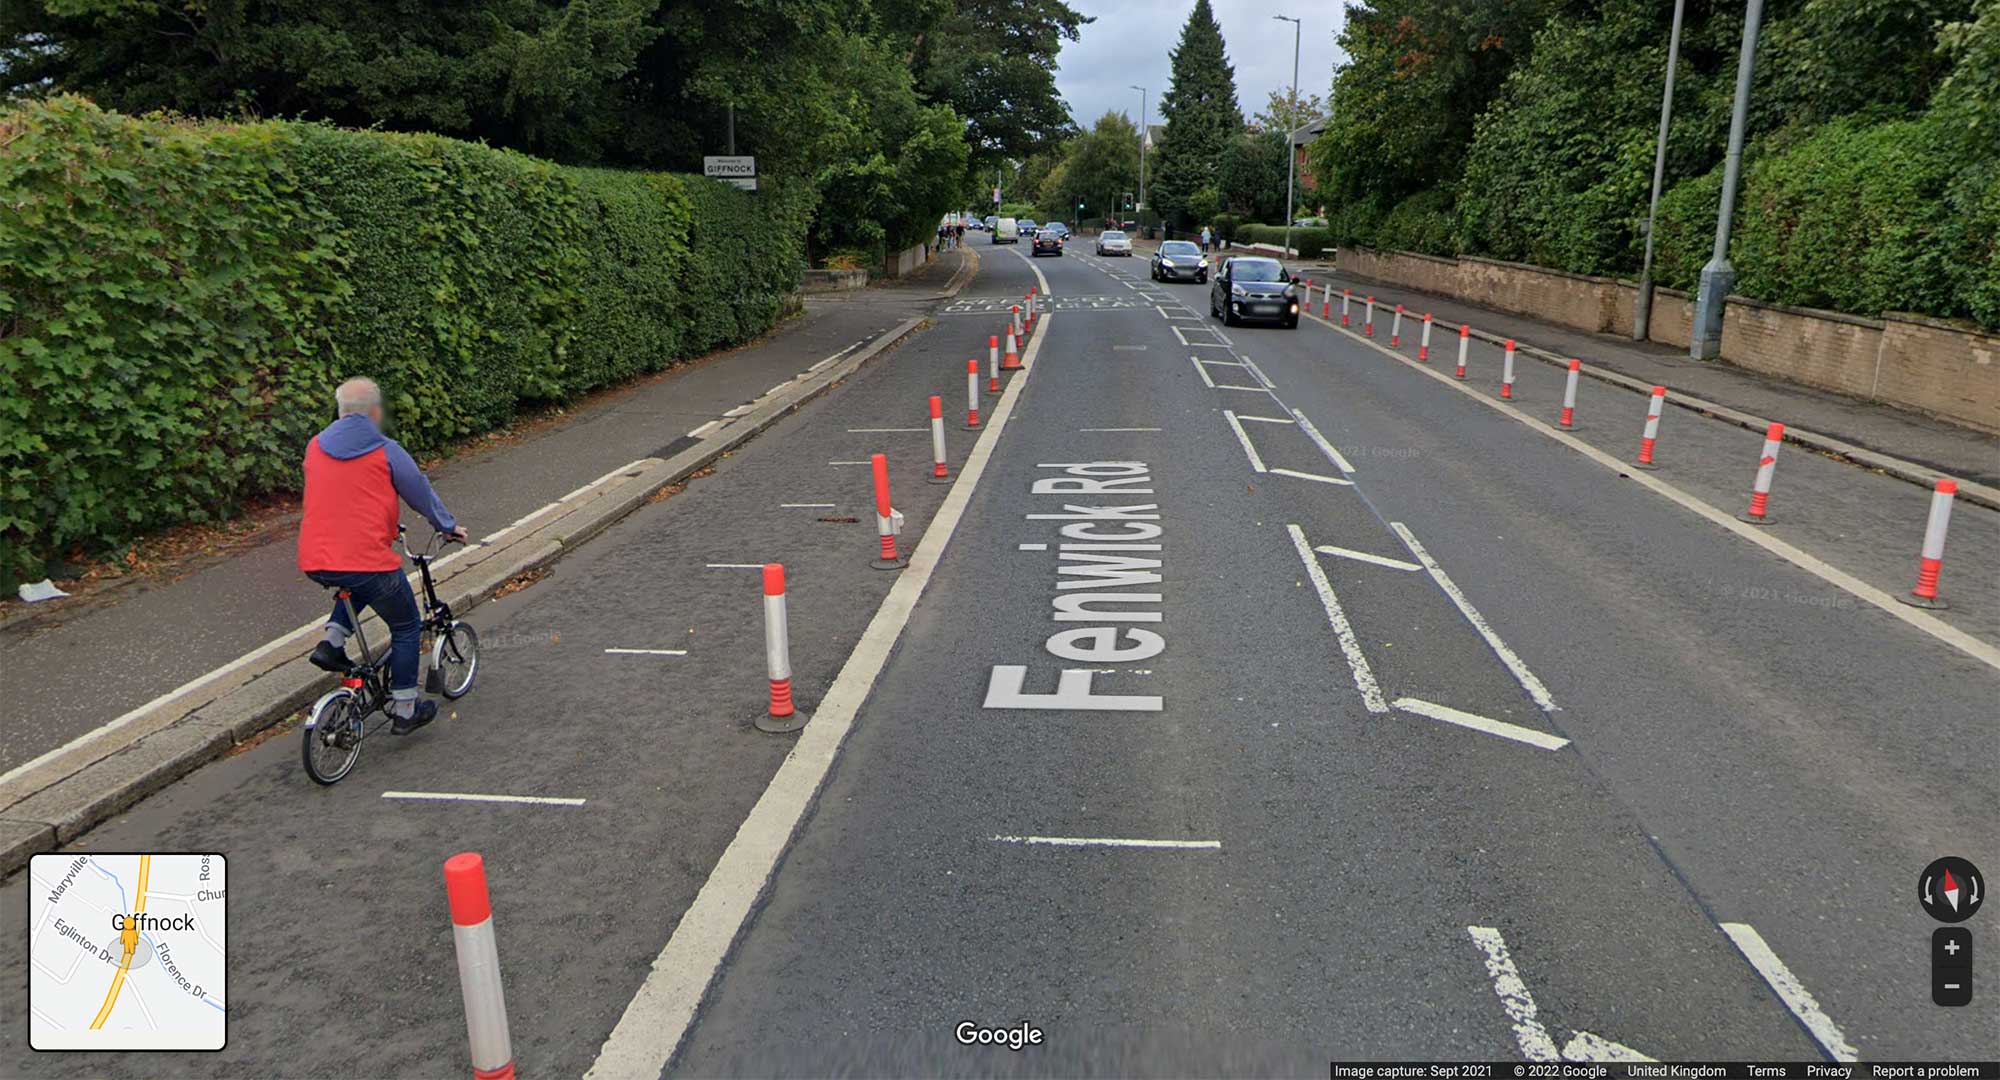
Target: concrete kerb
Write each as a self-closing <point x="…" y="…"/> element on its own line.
<point x="1901" y="469"/>
<point x="49" y="807"/>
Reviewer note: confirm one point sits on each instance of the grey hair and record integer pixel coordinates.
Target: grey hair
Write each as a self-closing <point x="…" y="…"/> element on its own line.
<point x="356" y="396"/>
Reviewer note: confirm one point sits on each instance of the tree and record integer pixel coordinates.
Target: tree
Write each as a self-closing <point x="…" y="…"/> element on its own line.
<point x="994" y="61"/>
<point x="1098" y="168"/>
<point x="1201" y="115"/>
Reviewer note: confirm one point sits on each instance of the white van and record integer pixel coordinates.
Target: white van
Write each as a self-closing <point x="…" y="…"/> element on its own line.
<point x="1006" y="231"/>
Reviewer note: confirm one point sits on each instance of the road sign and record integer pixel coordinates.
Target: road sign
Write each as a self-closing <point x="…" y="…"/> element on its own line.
<point x="739" y="170"/>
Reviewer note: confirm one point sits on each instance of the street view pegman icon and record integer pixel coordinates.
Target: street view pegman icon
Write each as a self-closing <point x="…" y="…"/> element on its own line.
<point x="1951" y="889"/>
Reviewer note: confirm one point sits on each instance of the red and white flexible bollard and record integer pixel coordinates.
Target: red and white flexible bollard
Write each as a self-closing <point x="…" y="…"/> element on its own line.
<point x="1028" y="325"/>
<point x="1014" y="323"/>
<point x="940" y="474"/>
<point x="1396" y="329"/>
<point x="1326" y="300"/>
<point x="972" y="395"/>
<point x="1569" y="395"/>
<point x="1346" y="298"/>
<point x="1368" y="325"/>
<point x="1507" y="371"/>
<point x="993" y="363"/>
<point x="1767" y="465"/>
<point x="1013" y="361"/>
<point x="784" y="715"/>
<point x="885" y="516"/>
<point x="1424" y="345"/>
<point x="478" y="966"/>
<point x="1931" y="562"/>
<point x="1654" y="406"/>
<point x="1464" y="339"/>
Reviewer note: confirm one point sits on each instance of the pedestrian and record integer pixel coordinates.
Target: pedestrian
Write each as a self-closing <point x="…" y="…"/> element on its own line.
<point x="1206" y="240"/>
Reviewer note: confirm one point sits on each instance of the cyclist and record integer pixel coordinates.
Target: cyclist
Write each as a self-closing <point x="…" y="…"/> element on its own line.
<point x="354" y="475"/>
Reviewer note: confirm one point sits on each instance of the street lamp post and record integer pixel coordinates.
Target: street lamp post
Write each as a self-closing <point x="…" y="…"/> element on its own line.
<point x="1718" y="278"/>
<point x="1141" y="211"/>
<point x="1642" y="304"/>
<point x="1291" y="155"/>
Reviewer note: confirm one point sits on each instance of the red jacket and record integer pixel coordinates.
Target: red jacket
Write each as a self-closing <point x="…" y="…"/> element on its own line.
<point x="354" y="476"/>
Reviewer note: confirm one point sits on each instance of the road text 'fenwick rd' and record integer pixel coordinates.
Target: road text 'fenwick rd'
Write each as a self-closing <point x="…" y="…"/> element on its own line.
<point x="1102" y="548"/>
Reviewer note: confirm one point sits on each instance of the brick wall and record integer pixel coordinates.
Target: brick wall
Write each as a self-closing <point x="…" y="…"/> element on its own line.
<point x="1928" y="365"/>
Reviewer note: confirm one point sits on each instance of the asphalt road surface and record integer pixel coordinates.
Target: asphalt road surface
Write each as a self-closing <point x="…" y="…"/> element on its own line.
<point x="1356" y="720"/>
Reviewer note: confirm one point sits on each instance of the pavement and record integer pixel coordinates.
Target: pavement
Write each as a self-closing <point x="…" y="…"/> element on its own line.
<point x="1252" y="699"/>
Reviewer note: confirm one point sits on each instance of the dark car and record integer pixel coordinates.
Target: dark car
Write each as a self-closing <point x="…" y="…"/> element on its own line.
<point x="1254" y="288"/>
<point x="1060" y="228"/>
<point x="1180" y="260"/>
<point x="1028" y="227"/>
<point x="1048" y="241"/>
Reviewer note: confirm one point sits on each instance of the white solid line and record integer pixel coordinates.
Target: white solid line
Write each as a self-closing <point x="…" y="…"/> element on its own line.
<point x="1107" y="841"/>
<point x="1320" y="441"/>
<point x="1378" y="560"/>
<point x="1982" y="651"/>
<point x="1364" y="676"/>
<point x="1259" y="372"/>
<point x="1034" y="547"/>
<point x="1203" y="372"/>
<point x="739" y="410"/>
<point x="777" y="388"/>
<point x="1208" y="345"/>
<point x="599" y="482"/>
<point x="880" y="430"/>
<point x="703" y="430"/>
<point x="1252" y="389"/>
<point x="1128" y="348"/>
<point x="1583" y="1046"/>
<point x="1515" y="664"/>
<point x="735" y="566"/>
<point x="834" y="357"/>
<point x="1480" y="723"/>
<point x="1268" y="419"/>
<point x="1243" y="437"/>
<point x="1514" y="997"/>
<point x="1225" y="363"/>
<point x="647" y="652"/>
<point x="1312" y="476"/>
<point x="1789" y="990"/>
<point x="1118" y="429"/>
<point x="807" y="506"/>
<point x="850" y="463"/>
<point x="657" y="1018"/>
<point x="454" y="796"/>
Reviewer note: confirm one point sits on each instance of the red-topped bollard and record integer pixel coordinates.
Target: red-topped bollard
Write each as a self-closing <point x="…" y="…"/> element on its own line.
<point x="1931" y="561"/>
<point x="1396" y="329"/>
<point x="1424" y="346"/>
<point x="1014" y="324"/>
<point x="1507" y="370"/>
<point x="784" y="715"/>
<point x="1655" y="404"/>
<point x="1368" y="323"/>
<point x="1569" y="395"/>
<point x="1326" y="301"/>
<point x="1346" y="299"/>
<point x="1464" y="339"/>
<point x="478" y="966"/>
<point x="993" y="364"/>
<point x="972" y="395"/>
<point x="1767" y="467"/>
<point x="887" y="521"/>
<point x="939" y="473"/>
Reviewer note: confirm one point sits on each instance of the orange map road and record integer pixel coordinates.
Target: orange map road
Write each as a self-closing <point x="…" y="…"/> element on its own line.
<point x="130" y="938"/>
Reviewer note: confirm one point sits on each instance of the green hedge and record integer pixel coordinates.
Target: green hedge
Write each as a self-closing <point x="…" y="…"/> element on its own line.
<point x="1855" y="217"/>
<point x="177" y="301"/>
<point x="1311" y="242"/>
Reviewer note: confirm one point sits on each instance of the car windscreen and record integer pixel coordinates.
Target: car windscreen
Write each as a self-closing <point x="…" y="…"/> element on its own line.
<point x="1256" y="270"/>
<point x="1114" y="235"/>
<point x="1179" y="247"/>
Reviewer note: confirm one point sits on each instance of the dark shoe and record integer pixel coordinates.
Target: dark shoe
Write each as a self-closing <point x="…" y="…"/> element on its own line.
<point x="426" y="712"/>
<point x="327" y="658"/>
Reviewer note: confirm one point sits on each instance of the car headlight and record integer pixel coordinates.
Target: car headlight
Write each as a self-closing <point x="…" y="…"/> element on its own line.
<point x="1238" y="290"/>
<point x="1203" y="264"/>
<point x="1166" y="262"/>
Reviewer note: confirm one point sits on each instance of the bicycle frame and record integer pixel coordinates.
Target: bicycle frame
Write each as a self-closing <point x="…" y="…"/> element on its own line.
<point x="371" y="675"/>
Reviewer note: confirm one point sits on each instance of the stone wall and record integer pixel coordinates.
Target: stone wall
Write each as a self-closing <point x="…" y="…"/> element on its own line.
<point x="1929" y="365"/>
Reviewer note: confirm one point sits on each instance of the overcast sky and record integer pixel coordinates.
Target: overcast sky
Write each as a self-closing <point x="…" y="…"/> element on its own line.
<point x="1130" y="41"/>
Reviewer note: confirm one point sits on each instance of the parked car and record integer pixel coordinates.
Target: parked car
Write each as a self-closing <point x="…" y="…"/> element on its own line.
<point x="1253" y="287"/>
<point x="1114" y="242"/>
<point x="1049" y="242"/>
<point x="1180" y="260"/>
<point x="1006" y="231"/>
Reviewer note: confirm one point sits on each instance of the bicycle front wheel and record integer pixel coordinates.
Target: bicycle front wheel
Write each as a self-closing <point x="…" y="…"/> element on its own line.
<point x="330" y="743"/>
<point x="455" y="659"/>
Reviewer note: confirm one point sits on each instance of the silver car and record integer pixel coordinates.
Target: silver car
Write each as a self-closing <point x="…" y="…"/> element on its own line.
<point x="1113" y="242"/>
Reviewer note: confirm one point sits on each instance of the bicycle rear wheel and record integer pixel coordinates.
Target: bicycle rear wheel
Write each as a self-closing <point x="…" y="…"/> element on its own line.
<point x="330" y="743"/>
<point x="455" y="659"/>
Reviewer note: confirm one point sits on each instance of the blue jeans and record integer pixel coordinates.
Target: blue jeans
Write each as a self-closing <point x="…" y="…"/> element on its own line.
<point x="388" y="593"/>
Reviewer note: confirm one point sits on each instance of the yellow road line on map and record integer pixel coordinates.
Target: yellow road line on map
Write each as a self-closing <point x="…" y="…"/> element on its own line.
<point x="130" y="939"/>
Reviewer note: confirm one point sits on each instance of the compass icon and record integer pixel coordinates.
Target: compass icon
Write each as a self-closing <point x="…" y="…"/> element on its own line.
<point x="1951" y="889"/>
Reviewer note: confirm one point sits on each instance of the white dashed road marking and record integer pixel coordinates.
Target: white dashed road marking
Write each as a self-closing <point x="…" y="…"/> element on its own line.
<point x="1542" y="739"/>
